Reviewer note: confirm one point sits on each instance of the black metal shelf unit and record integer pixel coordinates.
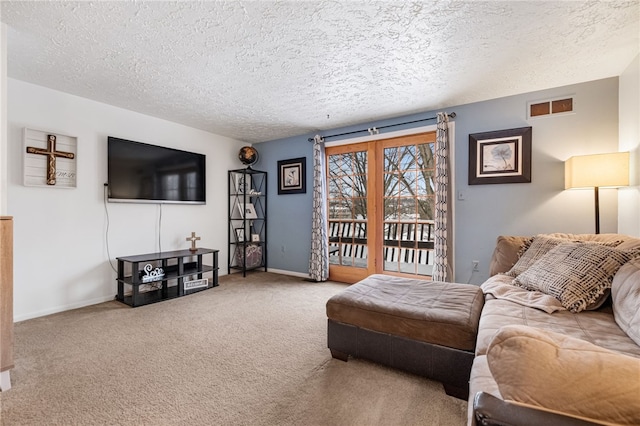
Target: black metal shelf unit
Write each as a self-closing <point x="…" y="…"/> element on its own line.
<point x="247" y="229"/>
<point x="164" y="275"/>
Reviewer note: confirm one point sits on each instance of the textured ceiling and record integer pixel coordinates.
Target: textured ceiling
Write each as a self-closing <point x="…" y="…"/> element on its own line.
<point x="261" y="70"/>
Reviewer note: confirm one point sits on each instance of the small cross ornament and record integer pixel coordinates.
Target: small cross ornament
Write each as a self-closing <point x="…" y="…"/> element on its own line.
<point x="193" y="240"/>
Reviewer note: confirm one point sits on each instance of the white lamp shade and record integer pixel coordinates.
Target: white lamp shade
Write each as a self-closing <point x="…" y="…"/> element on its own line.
<point x="598" y="170"/>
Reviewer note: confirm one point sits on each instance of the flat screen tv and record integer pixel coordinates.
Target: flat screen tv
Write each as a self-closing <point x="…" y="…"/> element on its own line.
<point x="143" y="173"/>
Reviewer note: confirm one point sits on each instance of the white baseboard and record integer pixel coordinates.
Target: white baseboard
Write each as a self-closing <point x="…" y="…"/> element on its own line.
<point x="63" y="308"/>
<point x="283" y="272"/>
<point x="97" y="300"/>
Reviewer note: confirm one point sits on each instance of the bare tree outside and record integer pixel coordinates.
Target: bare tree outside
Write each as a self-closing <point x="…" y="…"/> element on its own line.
<point x="408" y="182"/>
<point x="348" y="186"/>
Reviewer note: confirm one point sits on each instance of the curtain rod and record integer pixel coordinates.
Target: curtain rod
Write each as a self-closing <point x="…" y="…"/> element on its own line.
<point x="375" y="129"/>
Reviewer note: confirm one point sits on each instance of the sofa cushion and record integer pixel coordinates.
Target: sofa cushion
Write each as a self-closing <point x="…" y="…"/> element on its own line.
<point x="481" y="380"/>
<point x="597" y="327"/>
<point x="506" y="253"/>
<point x="625" y="293"/>
<point x="577" y="274"/>
<point x="562" y="373"/>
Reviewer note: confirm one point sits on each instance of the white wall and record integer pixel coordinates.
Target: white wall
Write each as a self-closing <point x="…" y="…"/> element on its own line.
<point x="60" y="257"/>
<point x="629" y="98"/>
<point x="3" y="119"/>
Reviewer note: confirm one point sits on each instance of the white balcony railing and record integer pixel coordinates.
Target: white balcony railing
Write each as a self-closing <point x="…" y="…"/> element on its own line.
<point x="407" y="247"/>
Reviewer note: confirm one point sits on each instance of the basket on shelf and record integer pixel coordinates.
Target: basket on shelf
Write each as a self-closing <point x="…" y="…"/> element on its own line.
<point x="254" y="256"/>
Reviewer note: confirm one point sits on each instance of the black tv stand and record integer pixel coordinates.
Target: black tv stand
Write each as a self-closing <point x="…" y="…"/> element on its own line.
<point x="177" y="273"/>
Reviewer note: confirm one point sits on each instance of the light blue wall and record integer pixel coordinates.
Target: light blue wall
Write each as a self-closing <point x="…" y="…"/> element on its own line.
<point x="485" y="211"/>
<point x="289" y="216"/>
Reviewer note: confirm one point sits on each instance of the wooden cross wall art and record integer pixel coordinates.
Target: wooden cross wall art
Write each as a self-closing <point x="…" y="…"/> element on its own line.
<point x="49" y="159"/>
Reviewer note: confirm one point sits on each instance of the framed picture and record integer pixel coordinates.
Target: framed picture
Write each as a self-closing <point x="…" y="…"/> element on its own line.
<point x="291" y="176"/>
<point x="243" y="183"/>
<point x="59" y="171"/>
<point x="503" y="156"/>
<point x="247" y="211"/>
<point x="255" y="238"/>
<point x="240" y="235"/>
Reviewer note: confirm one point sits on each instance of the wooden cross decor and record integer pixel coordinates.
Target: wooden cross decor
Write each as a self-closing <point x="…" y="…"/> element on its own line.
<point x="193" y="240"/>
<point x="51" y="153"/>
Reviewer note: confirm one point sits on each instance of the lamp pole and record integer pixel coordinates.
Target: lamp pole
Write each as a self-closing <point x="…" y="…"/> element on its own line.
<point x="595" y="189"/>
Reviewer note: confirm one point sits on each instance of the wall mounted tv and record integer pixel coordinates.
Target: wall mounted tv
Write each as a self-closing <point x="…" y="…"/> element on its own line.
<point x="143" y="173"/>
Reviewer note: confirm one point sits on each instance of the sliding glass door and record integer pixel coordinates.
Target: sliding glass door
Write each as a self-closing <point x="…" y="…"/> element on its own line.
<point x="380" y="207"/>
<point x="409" y="203"/>
<point x="348" y="193"/>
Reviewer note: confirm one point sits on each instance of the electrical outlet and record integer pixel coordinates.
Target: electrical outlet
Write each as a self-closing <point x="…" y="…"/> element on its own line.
<point x="476" y="265"/>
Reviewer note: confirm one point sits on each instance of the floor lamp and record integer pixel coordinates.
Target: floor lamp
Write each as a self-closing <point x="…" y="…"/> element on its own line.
<point x="596" y="171"/>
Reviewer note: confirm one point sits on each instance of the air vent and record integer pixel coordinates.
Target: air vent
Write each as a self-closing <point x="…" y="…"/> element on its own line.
<point x="550" y="107"/>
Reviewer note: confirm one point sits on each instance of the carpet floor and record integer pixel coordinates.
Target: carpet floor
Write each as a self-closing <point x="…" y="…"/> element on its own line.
<point x="249" y="352"/>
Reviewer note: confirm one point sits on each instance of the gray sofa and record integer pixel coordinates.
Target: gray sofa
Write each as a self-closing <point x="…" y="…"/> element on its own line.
<point x="543" y="354"/>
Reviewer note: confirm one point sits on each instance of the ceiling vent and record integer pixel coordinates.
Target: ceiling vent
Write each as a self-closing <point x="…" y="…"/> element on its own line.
<point x="548" y="107"/>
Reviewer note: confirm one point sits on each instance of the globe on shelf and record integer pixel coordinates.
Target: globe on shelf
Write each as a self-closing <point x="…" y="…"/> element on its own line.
<point x="248" y="155"/>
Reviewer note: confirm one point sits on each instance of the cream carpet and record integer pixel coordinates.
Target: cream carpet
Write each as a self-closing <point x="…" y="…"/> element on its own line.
<point x="249" y="352"/>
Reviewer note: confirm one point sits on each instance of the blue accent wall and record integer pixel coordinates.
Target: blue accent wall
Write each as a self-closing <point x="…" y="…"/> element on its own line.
<point x="289" y="216"/>
<point x="482" y="212"/>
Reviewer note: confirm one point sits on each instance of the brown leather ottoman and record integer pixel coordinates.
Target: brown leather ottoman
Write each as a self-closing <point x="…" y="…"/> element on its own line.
<point x="423" y="327"/>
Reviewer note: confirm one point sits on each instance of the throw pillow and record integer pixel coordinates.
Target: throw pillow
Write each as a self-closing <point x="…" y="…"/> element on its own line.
<point x="536" y="247"/>
<point x="625" y="294"/>
<point x="531" y="251"/>
<point x="577" y="274"/>
<point x="565" y="374"/>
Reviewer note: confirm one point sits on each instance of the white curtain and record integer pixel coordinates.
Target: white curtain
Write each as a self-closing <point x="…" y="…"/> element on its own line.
<point x="442" y="244"/>
<point x="319" y="259"/>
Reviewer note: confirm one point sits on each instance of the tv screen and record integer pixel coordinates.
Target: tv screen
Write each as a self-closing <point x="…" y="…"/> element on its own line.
<point x="143" y="173"/>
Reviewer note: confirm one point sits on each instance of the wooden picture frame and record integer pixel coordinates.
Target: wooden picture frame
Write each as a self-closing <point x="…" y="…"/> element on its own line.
<point x="292" y="176"/>
<point x="503" y="156"/>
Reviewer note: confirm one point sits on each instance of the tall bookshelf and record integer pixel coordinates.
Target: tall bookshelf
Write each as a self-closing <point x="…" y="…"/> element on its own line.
<point x="247" y="230"/>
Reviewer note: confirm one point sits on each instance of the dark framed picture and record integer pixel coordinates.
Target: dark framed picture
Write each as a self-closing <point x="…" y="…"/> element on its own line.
<point x="503" y="156"/>
<point x="291" y="176"/>
<point x="240" y="235"/>
<point x="243" y="183"/>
